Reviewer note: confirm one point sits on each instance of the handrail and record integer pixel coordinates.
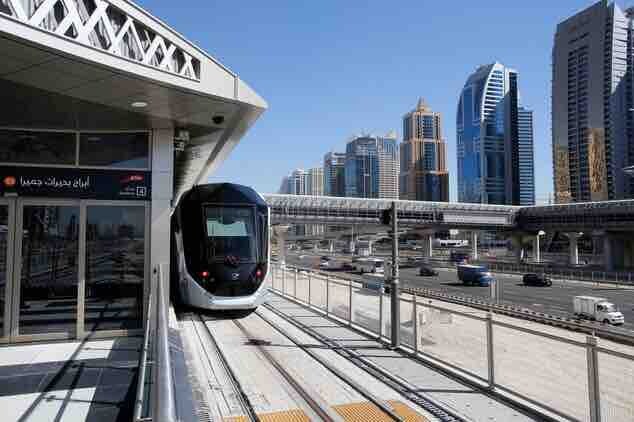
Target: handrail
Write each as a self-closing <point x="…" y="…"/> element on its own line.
<point x="162" y="406"/>
<point x="164" y="409"/>
<point x="143" y="362"/>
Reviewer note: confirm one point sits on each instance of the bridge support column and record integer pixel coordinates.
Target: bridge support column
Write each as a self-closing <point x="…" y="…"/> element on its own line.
<point x="518" y="247"/>
<point x="608" y="254"/>
<point x="281" y="233"/>
<point x="428" y="245"/>
<point x="573" y="239"/>
<point x="536" y="252"/>
<point x="474" y="245"/>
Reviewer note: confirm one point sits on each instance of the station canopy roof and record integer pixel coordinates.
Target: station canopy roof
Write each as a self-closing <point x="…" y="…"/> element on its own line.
<point x="86" y="64"/>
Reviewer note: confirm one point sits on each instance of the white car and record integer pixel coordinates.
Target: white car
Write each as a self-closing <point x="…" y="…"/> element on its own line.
<point x="324" y="264"/>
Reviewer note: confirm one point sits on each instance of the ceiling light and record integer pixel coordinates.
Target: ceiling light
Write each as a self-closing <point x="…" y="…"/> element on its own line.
<point x="139" y="104"/>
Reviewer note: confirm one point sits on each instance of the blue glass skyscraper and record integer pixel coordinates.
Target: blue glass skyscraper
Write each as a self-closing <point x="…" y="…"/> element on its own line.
<point x="372" y="167"/>
<point x="488" y="144"/>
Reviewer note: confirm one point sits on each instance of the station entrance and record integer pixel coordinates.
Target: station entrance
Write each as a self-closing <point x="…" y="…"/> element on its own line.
<point x="71" y="268"/>
<point x="74" y="244"/>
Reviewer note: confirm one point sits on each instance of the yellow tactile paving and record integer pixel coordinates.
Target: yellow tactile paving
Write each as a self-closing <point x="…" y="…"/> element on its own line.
<point x="295" y="415"/>
<point x="366" y="411"/>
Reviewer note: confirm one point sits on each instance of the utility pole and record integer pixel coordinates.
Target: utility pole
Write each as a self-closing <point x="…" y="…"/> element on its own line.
<point x="396" y="309"/>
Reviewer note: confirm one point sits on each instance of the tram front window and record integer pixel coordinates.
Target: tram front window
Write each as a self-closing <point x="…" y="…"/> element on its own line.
<point x="230" y="234"/>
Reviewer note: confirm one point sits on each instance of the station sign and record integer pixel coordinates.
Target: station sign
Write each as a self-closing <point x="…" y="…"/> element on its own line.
<point x="54" y="182"/>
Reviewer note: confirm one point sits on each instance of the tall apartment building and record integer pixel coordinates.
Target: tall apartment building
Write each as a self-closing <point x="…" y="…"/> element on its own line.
<point x="372" y="167"/>
<point x="335" y="174"/>
<point x="315" y="181"/>
<point x="488" y="139"/>
<point x="297" y="182"/>
<point x="424" y="175"/>
<point x="591" y="103"/>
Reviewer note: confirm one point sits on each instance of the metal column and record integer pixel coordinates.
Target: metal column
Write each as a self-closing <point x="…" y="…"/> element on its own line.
<point x="395" y="322"/>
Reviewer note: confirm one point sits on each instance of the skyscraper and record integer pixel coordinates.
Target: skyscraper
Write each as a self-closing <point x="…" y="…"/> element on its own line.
<point x="526" y="157"/>
<point x="591" y="102"/>
<point x="297" y="182"/>
<point x="372" y="167"/>
<point x="424" y="174"/>
<point x="315" y="181"/>
<point x="488" y="138"/>
<point x="334" y="174"/>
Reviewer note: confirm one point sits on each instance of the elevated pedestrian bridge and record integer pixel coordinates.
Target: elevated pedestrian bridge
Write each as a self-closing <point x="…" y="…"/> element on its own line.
<point x="298" y="209"/>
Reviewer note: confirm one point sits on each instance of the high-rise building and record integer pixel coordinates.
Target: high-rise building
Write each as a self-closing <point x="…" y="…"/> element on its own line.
<point x="297" y="182"/>
<point x="591" y="102"/>
<point x="315" y="181"/>
<point x="424" y="174"/>
<point x="335" y="174"/>
<point x="372" y="167"/>
<point x="488" y="144"/>
<point x="284" y="186"/>
<point x="526" y="157"/>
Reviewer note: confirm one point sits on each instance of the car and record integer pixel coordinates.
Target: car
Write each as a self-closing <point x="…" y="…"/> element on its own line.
<point x="324" y="264"/>
<point x="427" y="271"/>
<point x="346" y="266"/>
<point x="532" y="279"/>
<point x="325" y="258"/>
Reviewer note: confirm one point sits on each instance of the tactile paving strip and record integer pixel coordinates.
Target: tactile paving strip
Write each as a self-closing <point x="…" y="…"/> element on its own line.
<point x="366" y="411"/>
<point x="295" y="415"/>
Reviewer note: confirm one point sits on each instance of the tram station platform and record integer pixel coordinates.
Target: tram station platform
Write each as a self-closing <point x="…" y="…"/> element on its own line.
<point x="279" y="332"/>
<point x="90" y="380"/>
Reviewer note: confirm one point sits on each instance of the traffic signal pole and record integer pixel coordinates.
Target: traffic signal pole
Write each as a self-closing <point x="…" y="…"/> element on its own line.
<point x="395" y="320"/>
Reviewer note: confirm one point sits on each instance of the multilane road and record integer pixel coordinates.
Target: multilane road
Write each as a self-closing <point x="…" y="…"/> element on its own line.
<point x="554" y="300"/>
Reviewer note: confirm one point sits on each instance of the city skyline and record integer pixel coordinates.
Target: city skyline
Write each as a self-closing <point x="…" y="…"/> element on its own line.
<point x="346" y="100"/>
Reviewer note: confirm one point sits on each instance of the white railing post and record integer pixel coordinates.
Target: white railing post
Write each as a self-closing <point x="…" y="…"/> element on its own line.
<point x="283" y="276"/>
<point x="415" y="323"/>
<point x="380" y="314"/>
<point x="295" y="286"/>
<point x="327" y="293"/>
<point x="296" y="275"/>
<point x="594" y="394"/>
<point x="309" y="284"/>
<point x="350" y="302"/>
<point x="490" y="354"/>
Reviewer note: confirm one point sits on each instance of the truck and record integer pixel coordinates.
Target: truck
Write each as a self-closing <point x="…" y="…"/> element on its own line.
<point x="597" y="308"/>
<point x="474" y="274"/>
<point x="368" y="265"/>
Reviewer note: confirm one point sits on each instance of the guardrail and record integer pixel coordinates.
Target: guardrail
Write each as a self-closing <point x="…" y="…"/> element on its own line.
<point x="155" y="400"/>
<point x="571" y="376"/>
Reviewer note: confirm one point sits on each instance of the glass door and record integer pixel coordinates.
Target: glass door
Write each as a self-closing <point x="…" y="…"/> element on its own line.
<point x="7" y="230"/>
<point x="46" y="269"/>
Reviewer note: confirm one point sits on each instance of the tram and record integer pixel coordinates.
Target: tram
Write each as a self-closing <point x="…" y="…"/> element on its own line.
<point x="220" y="248"/>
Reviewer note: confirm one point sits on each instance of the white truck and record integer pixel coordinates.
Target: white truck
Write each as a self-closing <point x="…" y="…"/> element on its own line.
<point x="597" y="308"/>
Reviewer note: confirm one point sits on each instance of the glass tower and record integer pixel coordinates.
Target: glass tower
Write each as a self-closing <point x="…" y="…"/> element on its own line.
<point x="487" y="128"/>
<point x="372" y="167"/>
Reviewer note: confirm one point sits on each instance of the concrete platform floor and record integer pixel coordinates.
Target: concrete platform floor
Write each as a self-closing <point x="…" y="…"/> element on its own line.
<point x="91" y="380"/>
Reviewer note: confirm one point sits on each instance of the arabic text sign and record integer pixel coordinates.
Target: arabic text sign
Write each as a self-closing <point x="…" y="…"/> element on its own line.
<point x="75" y="183"/>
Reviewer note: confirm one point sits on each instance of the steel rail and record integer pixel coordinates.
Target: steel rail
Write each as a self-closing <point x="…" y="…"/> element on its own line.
<point x="322" y="410"/>
<point x="381" y="404"/>
<point x="247" y="406"/>
<point x="379" y="373"/>
<point x="164" y="409"/>
<point x="140" y="389"/>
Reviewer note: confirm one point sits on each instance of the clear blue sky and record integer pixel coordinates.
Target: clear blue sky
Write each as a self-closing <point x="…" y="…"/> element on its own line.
<point x="332" y="68"/>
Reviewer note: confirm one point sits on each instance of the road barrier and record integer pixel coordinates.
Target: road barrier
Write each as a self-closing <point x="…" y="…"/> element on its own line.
<point x="566" y="375"/>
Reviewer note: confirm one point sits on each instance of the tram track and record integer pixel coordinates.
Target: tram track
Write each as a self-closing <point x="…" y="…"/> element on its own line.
<point x="393" y="381"/>
<point x="218" y="355"/>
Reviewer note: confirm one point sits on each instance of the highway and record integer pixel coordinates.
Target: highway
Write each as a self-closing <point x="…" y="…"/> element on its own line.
<point x="555" y="300"/>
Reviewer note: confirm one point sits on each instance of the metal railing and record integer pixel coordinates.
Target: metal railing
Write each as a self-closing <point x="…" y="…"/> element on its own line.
<point x="155" y="400"/>
<point x="564" y="374"/>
